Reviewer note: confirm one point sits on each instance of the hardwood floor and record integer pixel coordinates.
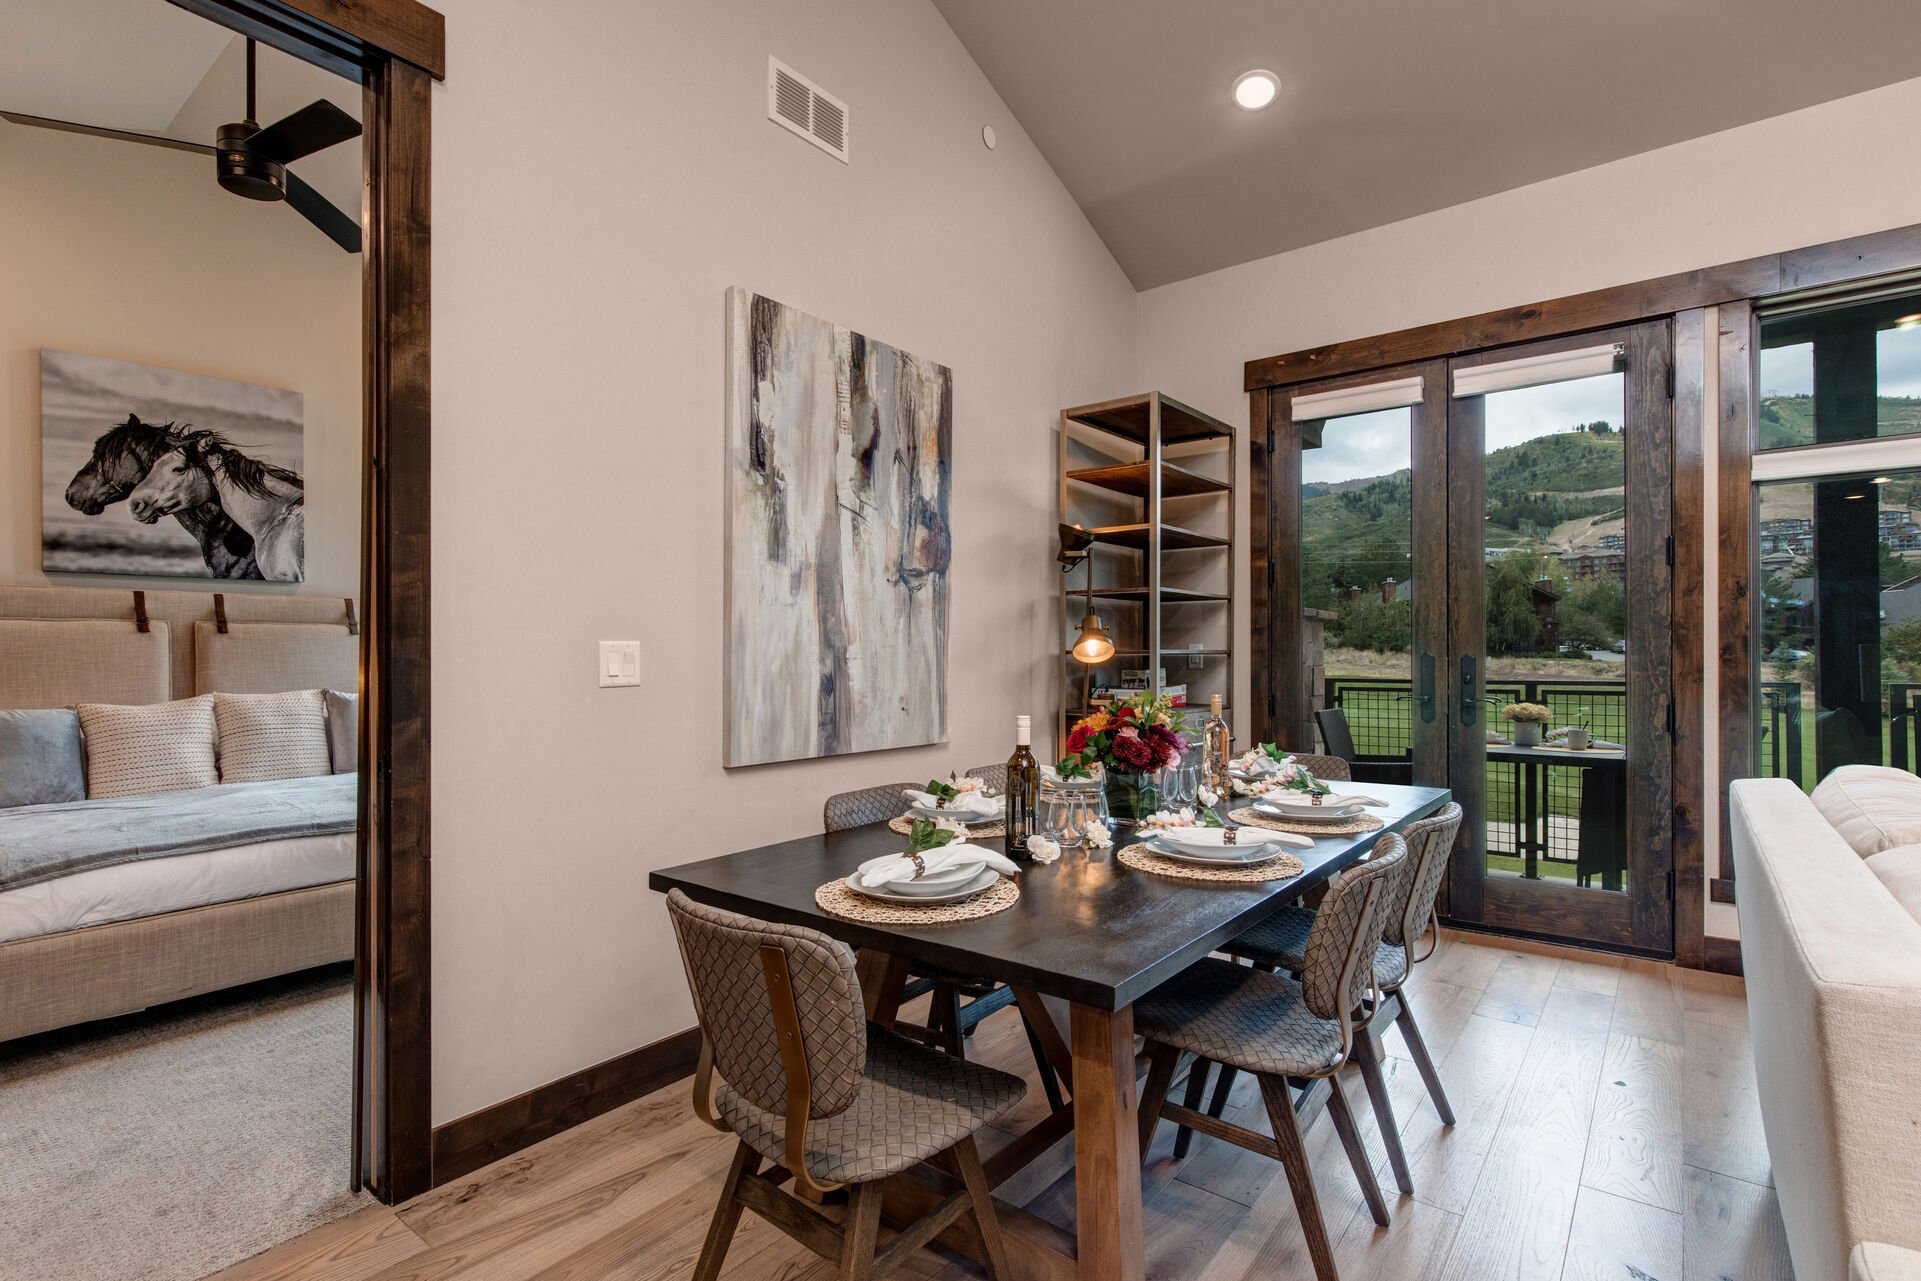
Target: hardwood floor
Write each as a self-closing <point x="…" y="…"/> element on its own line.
<point x="1607" y="1130"/>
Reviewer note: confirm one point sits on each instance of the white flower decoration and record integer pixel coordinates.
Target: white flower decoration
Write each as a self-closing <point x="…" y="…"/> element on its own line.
<point x="954" y="825"/>
<point x="965" y="785"/>
<point x="1161" y="820"/>
<point x="1043" y="850"/>
<point x="1209" y="797"/>
<point x="1095" y="833"/>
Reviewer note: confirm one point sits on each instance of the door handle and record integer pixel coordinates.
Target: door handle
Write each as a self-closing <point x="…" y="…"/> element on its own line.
<point x="1425" y="699"/>
<point x="1470" y="700"/>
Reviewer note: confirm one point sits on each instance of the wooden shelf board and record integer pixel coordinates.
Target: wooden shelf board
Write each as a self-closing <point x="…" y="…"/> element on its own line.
<point x="1131" y="479"/>
<point x="1173" y="537"/>
<point x="1166" y="654"/>
<point x="1129" y="416"/>
<point x="1169" y="595"/>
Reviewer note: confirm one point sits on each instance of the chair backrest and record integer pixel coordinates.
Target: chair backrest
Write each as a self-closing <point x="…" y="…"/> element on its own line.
<point x="868" y="805"/>
<point x="722" y="952"/>
<point x="1339" y="963"/>
<point x="995" y="776"/>
<point x="1335" y="734"/>
<point x="1331" y="768"/>
<point x="1429" y="842"/>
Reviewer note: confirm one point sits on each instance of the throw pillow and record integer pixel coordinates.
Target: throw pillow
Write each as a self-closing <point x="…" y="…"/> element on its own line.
<point x="1872" y="806"/>
<point x="1899" y="870"/>
<point x="270" y="736"/>
<point x="343" y="730"/>
<point x="144" y="749"/>
<point x="40" y="758"/>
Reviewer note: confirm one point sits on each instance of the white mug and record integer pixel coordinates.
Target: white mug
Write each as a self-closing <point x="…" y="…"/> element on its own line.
<point x="1577" y="740"/>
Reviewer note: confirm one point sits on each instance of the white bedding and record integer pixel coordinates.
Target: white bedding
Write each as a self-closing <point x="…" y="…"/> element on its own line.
<point x="154" y="886"/>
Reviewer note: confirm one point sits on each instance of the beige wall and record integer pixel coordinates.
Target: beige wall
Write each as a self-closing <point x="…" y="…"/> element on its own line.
<point x="115" y="249"/>
<point x="1811" y="176"/>
<point x="599" y="184"/>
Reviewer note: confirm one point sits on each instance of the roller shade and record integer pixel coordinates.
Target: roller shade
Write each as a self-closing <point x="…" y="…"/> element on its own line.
<point x="1536" y="371"/>
<point x="1398" y="394"/>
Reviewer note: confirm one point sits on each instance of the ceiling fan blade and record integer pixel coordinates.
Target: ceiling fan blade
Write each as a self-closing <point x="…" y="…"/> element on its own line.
<point x="100" y="131"/>
<point x="314" y="127"/>
<point x="324" y="214"/>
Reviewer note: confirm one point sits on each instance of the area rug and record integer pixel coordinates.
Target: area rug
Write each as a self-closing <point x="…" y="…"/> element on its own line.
<point x="166" y="1145"/>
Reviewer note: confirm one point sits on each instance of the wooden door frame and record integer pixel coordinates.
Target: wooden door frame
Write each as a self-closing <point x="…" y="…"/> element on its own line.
<point x="1731" y="287"/>
<point x="396" y="49"/>
<point x="1281" y="707"/>
<point x="1642" y="919"/>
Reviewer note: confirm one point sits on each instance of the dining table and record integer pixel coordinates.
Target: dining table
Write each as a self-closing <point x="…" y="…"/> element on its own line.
<point x="1089" y="936"/>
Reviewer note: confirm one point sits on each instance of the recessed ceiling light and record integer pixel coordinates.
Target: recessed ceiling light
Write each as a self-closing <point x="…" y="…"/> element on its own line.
<point x="1905" y="322"/>
<point x="1256" y="89"/>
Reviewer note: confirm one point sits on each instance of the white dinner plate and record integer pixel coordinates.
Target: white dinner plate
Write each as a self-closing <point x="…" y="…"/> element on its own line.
<point x="985" y="880"/>
<point x="937" y="882"/>
<point x="1244" y="856"/>
<point x="1290" y="807"/>
<point x="1321" y="815"/>
<point x="969" y="817"/>
<point x="1213" y="840"/>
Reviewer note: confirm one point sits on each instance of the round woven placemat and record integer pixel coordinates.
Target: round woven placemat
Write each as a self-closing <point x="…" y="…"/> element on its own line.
<point x="1347" y="827"/>
<point x="836" y="899"/>
<point x="1282" y="867"/>
<point x="905" y="826"/>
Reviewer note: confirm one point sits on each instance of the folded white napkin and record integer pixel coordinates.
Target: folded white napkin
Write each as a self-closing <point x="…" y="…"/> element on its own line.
<point x="968" y="805"/>
<point x="1253" y="836"/>
<point x="901" y="868"/>
<point x="1358" y="798"/>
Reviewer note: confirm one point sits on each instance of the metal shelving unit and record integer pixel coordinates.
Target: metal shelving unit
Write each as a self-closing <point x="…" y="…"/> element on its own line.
<point x="1153" y="481"/>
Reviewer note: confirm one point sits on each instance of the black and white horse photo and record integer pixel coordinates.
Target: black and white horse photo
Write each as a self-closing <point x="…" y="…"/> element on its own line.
<point x="150" y="471"/>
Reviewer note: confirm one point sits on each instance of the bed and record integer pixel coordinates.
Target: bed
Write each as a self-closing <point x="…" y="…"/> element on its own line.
<point x="111" y="905"/>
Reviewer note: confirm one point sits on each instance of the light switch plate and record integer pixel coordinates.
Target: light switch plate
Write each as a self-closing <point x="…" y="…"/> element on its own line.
<point x="619" y="664"/>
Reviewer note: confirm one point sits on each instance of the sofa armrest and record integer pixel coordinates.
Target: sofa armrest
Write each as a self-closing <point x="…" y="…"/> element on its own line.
<point x="1833" y="968"/>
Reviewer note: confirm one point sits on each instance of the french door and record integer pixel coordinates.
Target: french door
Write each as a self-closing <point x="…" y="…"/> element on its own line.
<point x="1461" y="542"/>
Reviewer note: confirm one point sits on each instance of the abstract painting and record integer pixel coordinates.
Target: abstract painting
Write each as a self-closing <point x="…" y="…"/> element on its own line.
<point x="838" y="475"/>
<point x="231" y="454"/>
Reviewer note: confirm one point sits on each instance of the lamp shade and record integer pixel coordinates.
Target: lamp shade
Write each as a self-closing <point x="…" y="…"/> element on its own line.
<point x="1092" y="645"/>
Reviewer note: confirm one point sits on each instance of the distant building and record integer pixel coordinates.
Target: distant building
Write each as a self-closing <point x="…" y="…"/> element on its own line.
<point x="1585" y="563"/>
<point x="1612" y="542"/>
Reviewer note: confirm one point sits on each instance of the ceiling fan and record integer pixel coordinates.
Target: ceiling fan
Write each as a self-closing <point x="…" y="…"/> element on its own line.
<point x="251" y="161"/>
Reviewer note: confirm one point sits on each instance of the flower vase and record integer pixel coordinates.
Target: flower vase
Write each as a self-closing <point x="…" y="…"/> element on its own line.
<point x="1131" y="795"/>
<point x="1527" y="733"/>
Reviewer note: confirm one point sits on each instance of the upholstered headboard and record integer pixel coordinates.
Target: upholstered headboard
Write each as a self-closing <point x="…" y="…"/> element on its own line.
<point x="62" y="645"/>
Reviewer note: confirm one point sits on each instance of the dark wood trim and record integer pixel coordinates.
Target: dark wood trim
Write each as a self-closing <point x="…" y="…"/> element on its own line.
<point x="1687" y="594"/>
<point x="1650" y="528"/>
<point x="1734" y="353"/>
<point x="1288" y="724"/>
<point x="1721" y="889"/>
<point x="1466" y="639"/>
<point x="462" y="1146"/>
<point x="397" y="644"/>
<point x="394" y="48"/>
<point x="1723" y="956"/>
<point x="1261" y="568"/>
<point x="345" y="36"/>
<point x="1825" y="264"/>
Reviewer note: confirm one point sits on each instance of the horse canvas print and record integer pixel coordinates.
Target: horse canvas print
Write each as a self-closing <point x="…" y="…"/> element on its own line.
<point x="838" y="476"/>
<point x="149" y="471"/>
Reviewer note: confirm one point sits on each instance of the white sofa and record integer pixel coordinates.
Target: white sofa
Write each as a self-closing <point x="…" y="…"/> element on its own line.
<point x="1829" y="891"/>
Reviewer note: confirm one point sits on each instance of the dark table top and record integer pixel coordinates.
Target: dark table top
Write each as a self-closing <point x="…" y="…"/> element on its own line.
<point x="1087" y="928"/>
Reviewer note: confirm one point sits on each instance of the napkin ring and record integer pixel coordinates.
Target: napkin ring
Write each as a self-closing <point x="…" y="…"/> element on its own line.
<point x="920" y="865"/>
<point x="1229" y="836"/>
<point x="1314" y="798"/>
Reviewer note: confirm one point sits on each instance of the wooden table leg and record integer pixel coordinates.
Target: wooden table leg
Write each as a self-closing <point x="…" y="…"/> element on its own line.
<point x="883" y="978"/>
<point x="1107" y="1154"/>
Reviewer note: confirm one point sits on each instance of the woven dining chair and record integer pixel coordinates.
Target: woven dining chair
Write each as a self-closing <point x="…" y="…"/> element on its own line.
<point x="1285" y="1032"/>
<point x="1280" y="943"/>
<point x="957" y="1002"/>
<point x="790" y="1066"/>
<point x="995" y="776"/>
<point x="1327" y="768"/>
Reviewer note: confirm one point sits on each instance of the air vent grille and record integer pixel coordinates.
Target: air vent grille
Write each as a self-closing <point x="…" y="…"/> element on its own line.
<point x="800" y="106"/>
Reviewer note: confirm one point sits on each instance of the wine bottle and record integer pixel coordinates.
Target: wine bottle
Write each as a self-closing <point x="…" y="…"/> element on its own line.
<point x="1214" y="741"/>
<point x="1023" y="788"/>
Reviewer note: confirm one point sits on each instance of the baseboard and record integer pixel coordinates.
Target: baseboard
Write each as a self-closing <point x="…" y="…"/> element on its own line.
<point x="1723" y="956"/>
<point x="480" y="1138"/>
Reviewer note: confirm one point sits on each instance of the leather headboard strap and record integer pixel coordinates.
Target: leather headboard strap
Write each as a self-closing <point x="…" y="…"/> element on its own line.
<point x="220" y="613"/>
<point x="140" y="612"/>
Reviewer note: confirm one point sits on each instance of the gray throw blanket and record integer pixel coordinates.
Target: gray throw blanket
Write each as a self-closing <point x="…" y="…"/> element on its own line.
<point x="42" y="842"/>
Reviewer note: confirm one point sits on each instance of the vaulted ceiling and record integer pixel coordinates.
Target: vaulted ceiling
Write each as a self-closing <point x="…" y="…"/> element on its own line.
<point x="1390" y="108"/>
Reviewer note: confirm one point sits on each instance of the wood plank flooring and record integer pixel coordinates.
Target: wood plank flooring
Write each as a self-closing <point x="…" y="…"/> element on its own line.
<point x="1607" y="1130"/>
